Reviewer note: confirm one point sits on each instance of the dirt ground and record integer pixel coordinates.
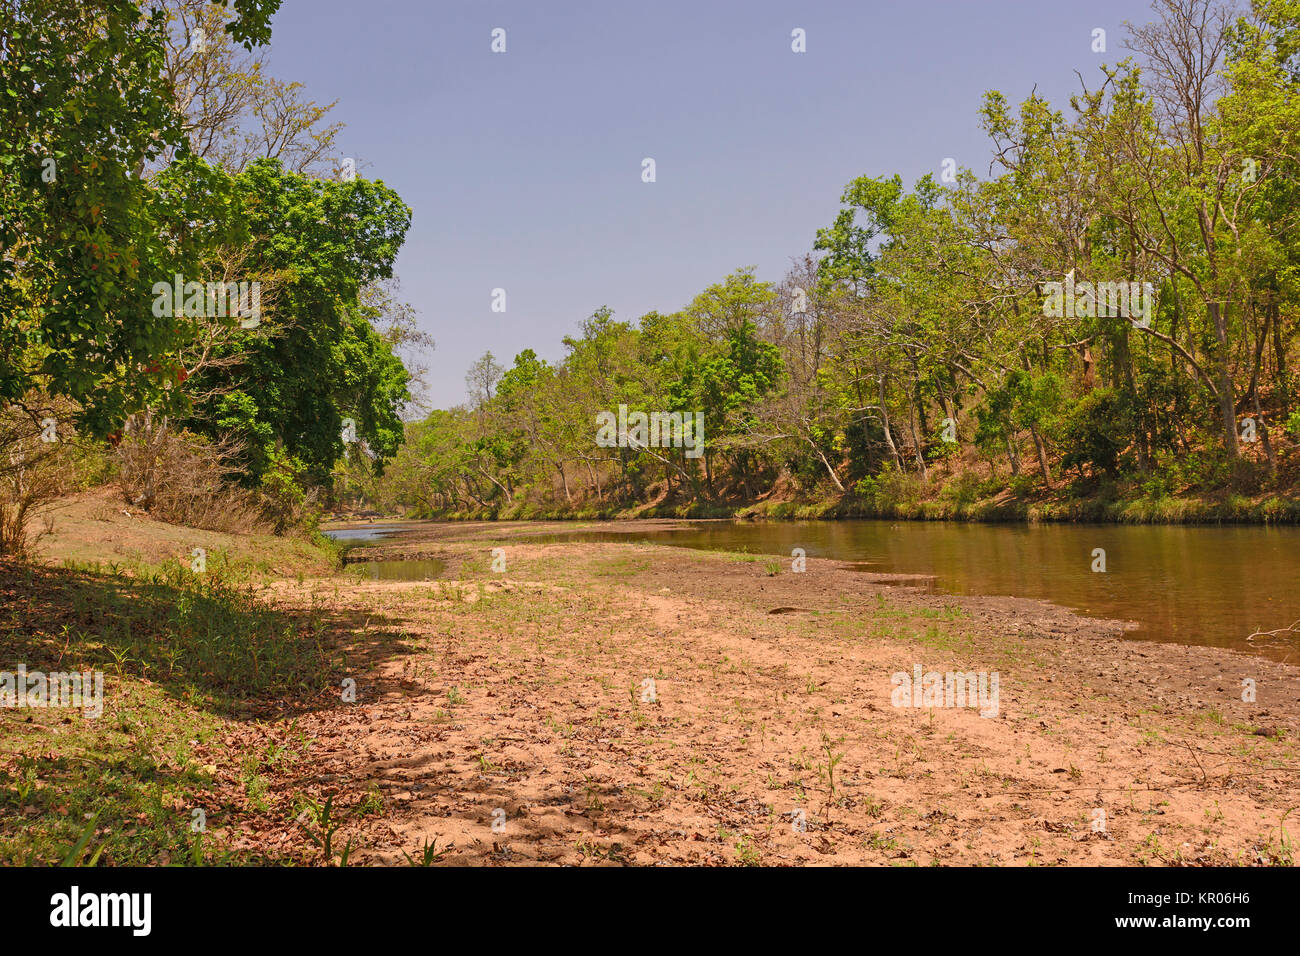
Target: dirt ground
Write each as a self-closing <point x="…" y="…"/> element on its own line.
<point x="636" y="704"/>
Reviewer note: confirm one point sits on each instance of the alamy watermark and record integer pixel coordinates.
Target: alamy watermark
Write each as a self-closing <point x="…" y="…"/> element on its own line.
<point x="24" y="688"/>
<point x="655" y="430"/>
<point x="212" y="300"/>
<point x="75" y="908"/>
<point x="949" y="689"/>
<point x="1087" y="300"/>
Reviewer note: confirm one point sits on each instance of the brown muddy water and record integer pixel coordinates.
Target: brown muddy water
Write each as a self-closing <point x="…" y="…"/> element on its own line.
<point x="1211" y="586"/>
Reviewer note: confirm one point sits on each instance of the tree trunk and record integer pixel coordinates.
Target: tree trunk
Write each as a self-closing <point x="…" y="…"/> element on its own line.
<point x="1263" y="436"/>
<point x="1227" y="409"/>
<point x="1042" y="457"/>
<point x="889" y="432"/>
<point x="1279" y="361"/>
<point x="1013" y="457"/>
<point x="916" y="444"/>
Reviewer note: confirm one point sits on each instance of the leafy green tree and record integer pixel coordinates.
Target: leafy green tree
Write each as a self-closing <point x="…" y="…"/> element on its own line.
<point x="1095" y="432"/>
<point x="316" y="359"/>
<point x="83" y="107"/>
<point x="1020" y="402"/>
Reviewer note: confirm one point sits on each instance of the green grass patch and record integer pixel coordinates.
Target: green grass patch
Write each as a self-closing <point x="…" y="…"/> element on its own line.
<point x="182" y="654"/>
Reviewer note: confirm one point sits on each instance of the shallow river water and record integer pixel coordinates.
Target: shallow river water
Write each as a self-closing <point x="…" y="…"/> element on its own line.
<point x="1189" y="585"/>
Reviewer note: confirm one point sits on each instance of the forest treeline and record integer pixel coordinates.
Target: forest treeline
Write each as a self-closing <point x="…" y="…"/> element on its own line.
<point x="196" y="293"/>
<point x="1108" y="314"/>
<point x="963" y="339"/>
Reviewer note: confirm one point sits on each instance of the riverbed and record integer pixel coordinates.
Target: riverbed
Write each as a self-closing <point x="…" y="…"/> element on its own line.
<point x="1209" y="586"/>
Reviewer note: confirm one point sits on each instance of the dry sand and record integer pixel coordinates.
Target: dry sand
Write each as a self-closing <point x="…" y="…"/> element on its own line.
<point x="508" y="717"/>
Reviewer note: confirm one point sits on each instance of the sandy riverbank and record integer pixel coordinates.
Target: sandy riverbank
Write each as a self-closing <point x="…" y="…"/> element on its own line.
<point x="507" y="717"/>
<point x="772" y="736"/>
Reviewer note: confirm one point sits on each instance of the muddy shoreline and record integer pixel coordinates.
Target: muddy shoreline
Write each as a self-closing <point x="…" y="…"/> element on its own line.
<point x="519" y="699"/>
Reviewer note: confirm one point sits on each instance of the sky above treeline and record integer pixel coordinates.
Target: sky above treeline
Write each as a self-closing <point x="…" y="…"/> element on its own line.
<point x="524" y="168"/>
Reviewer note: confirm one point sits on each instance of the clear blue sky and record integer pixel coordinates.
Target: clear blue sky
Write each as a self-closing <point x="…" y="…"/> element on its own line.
<point x="524" y="168"/>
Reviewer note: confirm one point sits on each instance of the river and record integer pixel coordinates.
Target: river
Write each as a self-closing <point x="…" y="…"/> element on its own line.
<point x="1183" y="584"/>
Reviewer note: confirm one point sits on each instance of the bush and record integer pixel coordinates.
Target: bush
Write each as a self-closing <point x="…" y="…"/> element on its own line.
<point x="1023" y="484"/>
<point x="33" y="474"/>
<point x="963" y="490"/>
<point x="890" y="489"/>
<point x="184" y="479"/>
<point x="1293" y="425"/>
<point x="1158" y="486"/>
<point x="1096" y="431"/>
<point x="285" y="501"/>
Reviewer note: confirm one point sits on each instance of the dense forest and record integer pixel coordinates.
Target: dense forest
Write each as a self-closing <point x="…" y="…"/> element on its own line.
<point x="198" y="302"/>
<point x="1110" y="314"/>
<point x="196" y="292"/>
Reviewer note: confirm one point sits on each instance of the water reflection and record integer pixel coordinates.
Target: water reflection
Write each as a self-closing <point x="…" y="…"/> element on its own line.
<point x="1189" y="585"/>
<point x="403" y="570"/>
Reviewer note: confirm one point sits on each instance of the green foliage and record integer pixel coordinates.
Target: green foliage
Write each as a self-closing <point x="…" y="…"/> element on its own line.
<point x="1293" y="425"/>
<point x="320" y="359"/>
<point x="252" y="25"/>
<point x="1095" y="432"/>
<point x="102" y="196"/>
<point x="890" y="489"/>
<point x="1019" y="402"/>
<point x="83" y="106"/>
<point x="285" y="493"/>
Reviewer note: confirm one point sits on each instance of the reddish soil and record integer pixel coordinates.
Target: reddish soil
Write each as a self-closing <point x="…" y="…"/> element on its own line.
<point x="508" y="717"/>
